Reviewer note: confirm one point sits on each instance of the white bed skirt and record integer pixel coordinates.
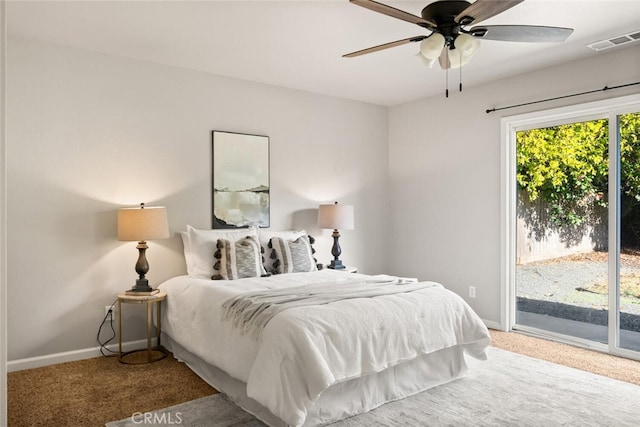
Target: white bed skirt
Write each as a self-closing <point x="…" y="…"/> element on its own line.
<point x="343" y="399"/>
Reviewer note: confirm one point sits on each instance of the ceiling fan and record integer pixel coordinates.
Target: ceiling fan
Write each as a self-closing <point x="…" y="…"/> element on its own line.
<point x="450" y="42"/>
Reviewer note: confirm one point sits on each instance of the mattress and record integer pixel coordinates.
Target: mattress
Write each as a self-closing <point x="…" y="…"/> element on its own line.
<point x="314" y="365"/>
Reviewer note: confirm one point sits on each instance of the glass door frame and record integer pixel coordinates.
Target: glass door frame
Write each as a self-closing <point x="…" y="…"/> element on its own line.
<point x="610" y="109"/>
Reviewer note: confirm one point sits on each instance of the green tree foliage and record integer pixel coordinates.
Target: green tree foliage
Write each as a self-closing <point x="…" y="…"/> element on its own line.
<point x="567" y="166"/>
<point x="630" y="179"/>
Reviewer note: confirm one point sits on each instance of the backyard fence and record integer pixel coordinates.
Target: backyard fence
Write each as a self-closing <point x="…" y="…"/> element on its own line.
<point x="538" y="238"/>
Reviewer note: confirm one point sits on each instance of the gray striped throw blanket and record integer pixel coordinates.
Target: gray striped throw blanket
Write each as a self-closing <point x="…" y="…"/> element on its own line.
<point x="250" y="312"/>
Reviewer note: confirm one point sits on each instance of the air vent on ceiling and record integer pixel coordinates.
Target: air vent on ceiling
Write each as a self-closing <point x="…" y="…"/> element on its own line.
<point x="615" y="41"/>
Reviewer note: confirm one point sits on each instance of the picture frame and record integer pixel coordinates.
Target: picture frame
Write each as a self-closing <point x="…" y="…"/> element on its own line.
<point x="240" y="180"/>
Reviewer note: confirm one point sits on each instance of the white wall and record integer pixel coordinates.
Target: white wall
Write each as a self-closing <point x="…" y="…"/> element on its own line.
<point x="89" y="133"/>
<point x="3" y="225"/>
<point x="444" y="171"/>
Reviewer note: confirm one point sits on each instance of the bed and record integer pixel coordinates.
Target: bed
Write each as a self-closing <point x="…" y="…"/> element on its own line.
<point x="312" y="363"/>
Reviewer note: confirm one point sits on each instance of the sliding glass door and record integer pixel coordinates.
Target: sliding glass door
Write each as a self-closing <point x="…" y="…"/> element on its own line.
<point x="573" y="227"/>
<point x="561" y="236"/>
<point x="628" y="293"/>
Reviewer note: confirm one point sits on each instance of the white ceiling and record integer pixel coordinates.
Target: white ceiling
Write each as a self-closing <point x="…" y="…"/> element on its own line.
<point x="298" y="44"/>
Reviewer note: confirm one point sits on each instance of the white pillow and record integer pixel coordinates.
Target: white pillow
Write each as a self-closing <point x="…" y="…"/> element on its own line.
<point x="186" y="250"/>
<point x="268" y="253"/>
<point x="200" y="246"/>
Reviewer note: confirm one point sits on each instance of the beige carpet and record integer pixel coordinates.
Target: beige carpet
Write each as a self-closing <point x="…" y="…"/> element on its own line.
<point x="94" y="391"/>
<point x="575" y="357"/>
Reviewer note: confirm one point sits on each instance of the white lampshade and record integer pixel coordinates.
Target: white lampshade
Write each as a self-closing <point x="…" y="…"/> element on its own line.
<point x="431" y="47"/>
<point x="142" y="223"/>
<point x="336" y="217"/>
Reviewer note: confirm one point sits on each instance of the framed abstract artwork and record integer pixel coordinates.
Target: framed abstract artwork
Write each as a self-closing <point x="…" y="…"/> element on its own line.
<point x="240" y="180"/>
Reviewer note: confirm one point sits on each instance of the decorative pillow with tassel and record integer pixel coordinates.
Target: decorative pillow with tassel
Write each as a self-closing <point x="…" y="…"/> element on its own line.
<point x="292" y="256"/>
<point x="265" y="236"/>
<point x="200" y="244"/>
<point x="239" y="259"/>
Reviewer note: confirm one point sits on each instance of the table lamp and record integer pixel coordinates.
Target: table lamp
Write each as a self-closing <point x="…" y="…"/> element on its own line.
<point x="139" y="225"/>
<point x="335" y="217"/>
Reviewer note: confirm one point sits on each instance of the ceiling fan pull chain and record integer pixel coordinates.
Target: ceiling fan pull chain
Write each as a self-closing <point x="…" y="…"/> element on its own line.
<point x="446" y="92"/>
<point x="460" y="86"/>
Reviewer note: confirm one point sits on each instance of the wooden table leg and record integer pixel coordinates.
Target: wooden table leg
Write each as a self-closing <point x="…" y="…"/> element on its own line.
<point x="158" y="317"/>
<point x="119" y="329"/>
<point x="149" y="323"/>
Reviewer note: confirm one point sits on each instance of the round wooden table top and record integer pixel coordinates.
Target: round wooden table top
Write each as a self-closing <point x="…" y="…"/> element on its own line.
<point x="124" y="297"/>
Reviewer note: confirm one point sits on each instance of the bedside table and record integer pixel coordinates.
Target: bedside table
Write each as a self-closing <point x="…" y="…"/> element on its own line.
<point x="124" y="298"/>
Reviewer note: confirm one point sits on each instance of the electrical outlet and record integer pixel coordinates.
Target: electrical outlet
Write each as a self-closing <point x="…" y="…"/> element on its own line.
<point x="113" y="310"/>
<point x="472" y="291"/>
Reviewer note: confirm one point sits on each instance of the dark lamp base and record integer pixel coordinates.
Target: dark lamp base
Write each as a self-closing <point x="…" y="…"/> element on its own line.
<point x="142" y="268"/>
<point x="142" y="285"/>
<point x="336" y="264"/>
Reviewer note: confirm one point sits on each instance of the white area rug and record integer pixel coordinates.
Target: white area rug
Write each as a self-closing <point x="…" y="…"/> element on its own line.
<point x="507" y="390"/>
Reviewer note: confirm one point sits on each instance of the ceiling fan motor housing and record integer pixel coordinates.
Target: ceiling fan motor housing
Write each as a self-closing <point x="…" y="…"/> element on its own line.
<point x="443" y="14"/>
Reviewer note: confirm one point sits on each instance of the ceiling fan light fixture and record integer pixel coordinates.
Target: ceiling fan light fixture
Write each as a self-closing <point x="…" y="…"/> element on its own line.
<point x="426" y="61"/>
<point x="463" y="48"/>
<point x="431" y="47"/>
<point x="456" y="59"/>
<point x="466" y="44"/>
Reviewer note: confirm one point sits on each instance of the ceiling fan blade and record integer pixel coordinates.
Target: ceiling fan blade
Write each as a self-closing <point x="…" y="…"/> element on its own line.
<point x="443" y="59"/>
<point x="393" y="12"/>
<point x="521" y="33"/>
<point x="484" y="9"/>
<point x="384" y="46"/>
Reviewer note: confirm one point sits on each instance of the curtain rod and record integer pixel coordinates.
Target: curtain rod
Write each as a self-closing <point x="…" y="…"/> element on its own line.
<point x="561" y="97"/>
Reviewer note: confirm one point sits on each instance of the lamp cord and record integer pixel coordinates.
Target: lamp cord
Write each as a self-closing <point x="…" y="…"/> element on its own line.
<point x="103" y="345"/>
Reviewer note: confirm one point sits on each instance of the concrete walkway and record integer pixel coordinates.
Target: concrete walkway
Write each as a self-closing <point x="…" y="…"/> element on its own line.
<point x="551" y="297"/>
<point x="629" y="340"/>
<point x="560" y="281"/>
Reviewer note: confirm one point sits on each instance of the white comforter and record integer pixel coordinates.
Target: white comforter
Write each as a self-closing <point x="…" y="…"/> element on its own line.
<point x="305" y="350"/>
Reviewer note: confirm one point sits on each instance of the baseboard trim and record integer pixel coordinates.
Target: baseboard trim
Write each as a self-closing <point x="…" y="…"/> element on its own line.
<point x="71" y="356"/>
<point x="88" y="353"/>
<point x="493" y="325"/>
